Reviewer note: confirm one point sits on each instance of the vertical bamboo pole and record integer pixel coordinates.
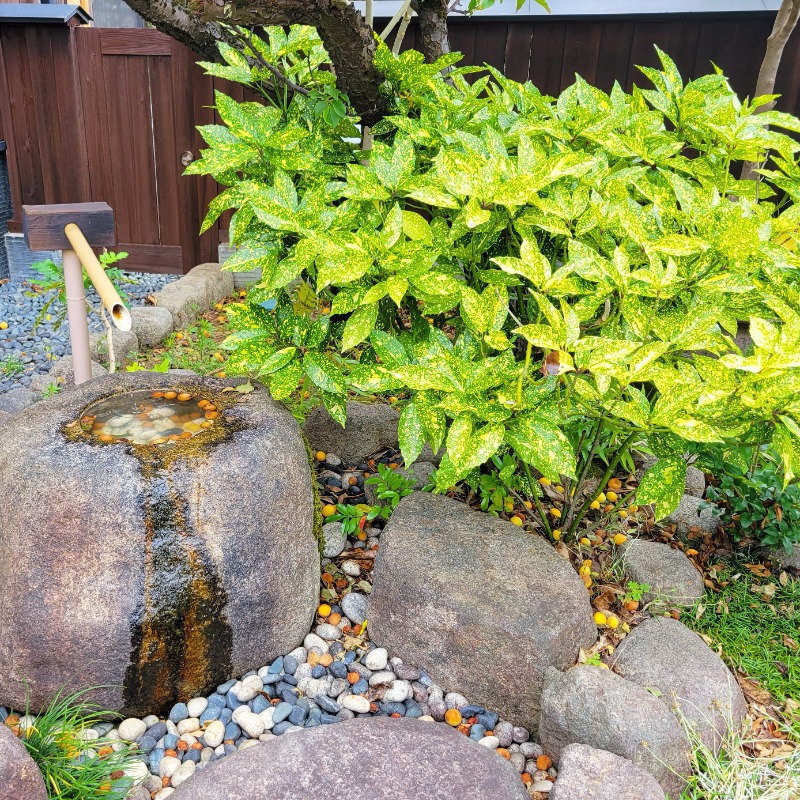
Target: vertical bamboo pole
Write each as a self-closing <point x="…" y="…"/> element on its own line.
<point x="76" y="314"/>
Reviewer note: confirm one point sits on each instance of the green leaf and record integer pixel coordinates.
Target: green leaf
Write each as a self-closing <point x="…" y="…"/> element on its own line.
<point x="663" y="485"/>
<point x="359" y="326"/>
<point x="542" y="444"/>
<point x="284" y="382"/>
<point x="410" y="434"/>
<point x="278" y="360"/>
<point x="416" y="227"/>
<point x="431" y="418"/>
<point x="335" y="404"/>
<point x="323" y="373"/>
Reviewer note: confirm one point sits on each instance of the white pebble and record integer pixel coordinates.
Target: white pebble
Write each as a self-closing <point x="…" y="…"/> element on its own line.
<point x="312" y="640"/>
<point x="426" y="718"/>
<point x="398" y="691"/>
<point x="206" y="753"/>
<point x="219" y="750"/>
<point x="164" y="793"/>
<point x="85" y="735"/>
<point x="248" y="689"/>
<point x="184" y="772"/>
<point x="329" y="632"/>
<point x="300" y="653"/>
<point x="351" y="568"/>
<point x="541" y="786"/>
<point x="189" y="739"/>
<point x="355" y="703"/>
<point x="131" y="729"/>
<point x="137" y="770"/>
<point x="150" y="720"/>
<point x="189" y="725"/>
<point x="266" y="718"/>
<point x="171" y="727"/>
<point x="384" y="676"/>
<point x="249" y="743"/>
<point x="251" y="724"/>
<point x="492" y="742"/>
<point x="196" y="706"/>
<point x="376" y="659"/>
<point x="317" y="686"/>
<point x="214" y="734"/>
<point x="455" y="700"/>
<point x="168" y="766"/>
<point x="303" y="672"/>
<point x="265" y="737"/>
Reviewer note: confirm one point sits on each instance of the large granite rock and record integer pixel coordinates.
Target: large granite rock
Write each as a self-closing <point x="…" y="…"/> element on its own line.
<point x="62" y="375"/>
<point x="20" y="778"/>
<point x="786" y="560"/>
<point x="15" y="400"/>
<point x="365" y="759"/>
<point x="662" y="653"/>
<point x="693" y="512"/>
<point x="126" y="347"/>
<point x="217" y="282"/>
<point x="157" y="573"/>
<point x="370" y="426"/>
<point x="585" y="773"/>
<point x="482" y="607"/>
<point x="671" y="576"/>
<point x="151" y="324"/>
<point x="593" y="706"/>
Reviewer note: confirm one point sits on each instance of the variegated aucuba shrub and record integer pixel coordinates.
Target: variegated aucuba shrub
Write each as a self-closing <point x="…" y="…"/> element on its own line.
<point x="530" y="273"/>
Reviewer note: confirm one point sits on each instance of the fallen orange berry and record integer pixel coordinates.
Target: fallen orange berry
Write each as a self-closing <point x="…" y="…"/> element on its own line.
<point x="452" y="717"/>
<point x="544" y="762"/>
<point x="334" y="619"/>
<point x="324" y="609"/>
<point x="620" y="539"/>
<point x="614" y="483"/>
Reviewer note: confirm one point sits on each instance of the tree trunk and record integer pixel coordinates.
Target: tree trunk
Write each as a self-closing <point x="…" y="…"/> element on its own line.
<point x="350" y="42"/>
<point x="785" y="23"/>
<point x="432" y="27"/>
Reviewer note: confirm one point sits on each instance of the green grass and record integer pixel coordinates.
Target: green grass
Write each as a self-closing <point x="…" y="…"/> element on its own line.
<point x="11" y="366"/>
<point x="759" y="636"/>
<point x="71" y="766"/>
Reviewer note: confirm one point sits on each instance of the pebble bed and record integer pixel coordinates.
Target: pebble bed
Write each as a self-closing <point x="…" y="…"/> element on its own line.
<point x="36" y="349"/>
<point x="337" y="674"/>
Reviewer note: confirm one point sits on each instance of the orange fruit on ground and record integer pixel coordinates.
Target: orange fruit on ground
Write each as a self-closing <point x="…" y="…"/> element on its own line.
<point x="501" y="751"/>
<point x="517" y="520"/>
<point x="361" y="536"/>
<point x="544" y="762"/>
<point x="611" y="497"/>
<point x="184" y="396"/>
<point x="326" y="659"/>
<point x="526" y="778"/>
<point x="452" y="717"/>
<point x="557" y="534"/>
<point x="324" y="609"/>
<point x="3" y="326"/>
<point x="156" y="395"/>
<point x="556" y="512"/>
<point x="600" y="618"/>
<point x="545" y="481"/>
<point x="170" y="395"/>
<point x="620" y="539"/>
<point x="613" y="622"/>
<point x="594" y="505"/>
<point x="614" y="483"/>
<point x="320" y="456"/>
<point x="313" y="658"/>
<point x="585" y="541"/>
<point x="352" y="677"/>
<point x="207" y="424"/>
<point x="328" y="510"/>
<point x="632" y="605"/>
<point x="334" y="619"/>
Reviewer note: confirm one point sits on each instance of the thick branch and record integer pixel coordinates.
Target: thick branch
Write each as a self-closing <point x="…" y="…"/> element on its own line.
<point x="200" y="24"/>
<point x="432" y="27"/>
<point x="785" y="23"/>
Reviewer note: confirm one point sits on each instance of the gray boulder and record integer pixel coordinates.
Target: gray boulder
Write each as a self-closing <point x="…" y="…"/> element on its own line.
<point x="393" y="759"/>
<point x="185" y="300"/>
<point x="151" y="324"/>
<point x="20" y="778"/>
<point x="788" y="561"/>
<point x="370" y="426"/>
<point x="483" y="608"/>
<point x="593" y="706"/>
<point x="695" y="482"/>
<point x="17" y="399"/>
<point x="218" y="282"/>
<point x="156" y="573"/>
<point x="126" y="347"/>
<point x="671" y="576"/>
<point x="662" y="653"/>
<point x="585" y="773"/>
<point x="693" y="512"/>
<point x="62" y="374"/>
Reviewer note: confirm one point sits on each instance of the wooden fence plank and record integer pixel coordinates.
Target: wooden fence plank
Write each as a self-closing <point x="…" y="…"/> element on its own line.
<point x="518" y="51"/>
<point x="547" y="56"/>
<point x="134" y="42"/>
<point x="581" y="52"/>
<point x="616" y="37"/>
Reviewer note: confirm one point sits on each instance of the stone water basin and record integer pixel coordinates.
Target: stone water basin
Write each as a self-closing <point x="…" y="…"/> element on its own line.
<point x="151" y="545"/>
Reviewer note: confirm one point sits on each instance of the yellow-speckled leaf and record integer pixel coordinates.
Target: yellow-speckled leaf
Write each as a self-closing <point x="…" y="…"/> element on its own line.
<point x="663" y="485"/>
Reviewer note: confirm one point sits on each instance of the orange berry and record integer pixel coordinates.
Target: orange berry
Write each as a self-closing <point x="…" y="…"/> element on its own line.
<point x="325" y="660"/>
<point x="170" y="395"/>
<point x="184" y="396"/>
<point x="620" y="539"/>
<point x="324" y="609"/>
<point x="452" y="717"/>
<point x="544" y="762"/>
<point x="352" y="677"/>
<point x="313" y="658"/>
<point x="501" y="751"/>
<point x="526" y="778"/>
<point x="211" y="414"/>
<point x="335" y="619"/>
<point x="614" y="483"/>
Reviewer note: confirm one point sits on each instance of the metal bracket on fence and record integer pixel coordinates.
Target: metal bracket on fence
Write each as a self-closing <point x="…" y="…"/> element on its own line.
<point x="75" y="228"/>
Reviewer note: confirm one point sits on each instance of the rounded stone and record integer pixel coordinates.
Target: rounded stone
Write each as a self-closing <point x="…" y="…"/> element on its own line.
<point x="446" y="574"/>
<point x="19" y="775"/>
<point x="406" y="759"/>
<point x="190" y="605"/>
<point x="376" y="659"/>
<point x="132" y="729"/>
<point x="334" y="539"/>
<point x="672" y="579"/>
<point x="214" y="734"/>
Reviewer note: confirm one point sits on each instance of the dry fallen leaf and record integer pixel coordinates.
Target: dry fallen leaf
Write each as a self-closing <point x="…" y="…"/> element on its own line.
<point x="789" y="642"/>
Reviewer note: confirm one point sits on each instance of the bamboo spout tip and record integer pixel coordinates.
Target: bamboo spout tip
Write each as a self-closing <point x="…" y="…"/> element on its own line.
<point x="121" y="316"/>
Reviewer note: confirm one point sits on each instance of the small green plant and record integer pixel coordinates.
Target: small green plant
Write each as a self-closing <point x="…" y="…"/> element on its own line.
<point x="51" y="389"/>
<point x="11" y="366"/>
<point x="390" y="485"/>
<point x="635" y="592"/>
<point x="354" y="518"/>
<point x="497" y="485"/>
<point x="52" y="283"/>
<point x="593" y="660"/>
<point x="163" y="366"/>
<point x="72" y="766"/>
<point x="758" y="505"/>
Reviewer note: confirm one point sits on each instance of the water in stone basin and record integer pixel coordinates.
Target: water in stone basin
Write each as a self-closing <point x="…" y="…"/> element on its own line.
<point x="149" y="417"/>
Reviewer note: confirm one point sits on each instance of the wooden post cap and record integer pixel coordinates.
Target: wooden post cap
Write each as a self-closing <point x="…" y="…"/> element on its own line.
<point x="43" y="226"/>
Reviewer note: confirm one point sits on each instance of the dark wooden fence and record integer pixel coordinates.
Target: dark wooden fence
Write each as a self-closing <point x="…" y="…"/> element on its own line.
<point x="107" y="114"/>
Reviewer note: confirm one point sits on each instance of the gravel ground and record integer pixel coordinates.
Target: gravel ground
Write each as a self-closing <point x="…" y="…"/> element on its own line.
<point x="24" y="352"/>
